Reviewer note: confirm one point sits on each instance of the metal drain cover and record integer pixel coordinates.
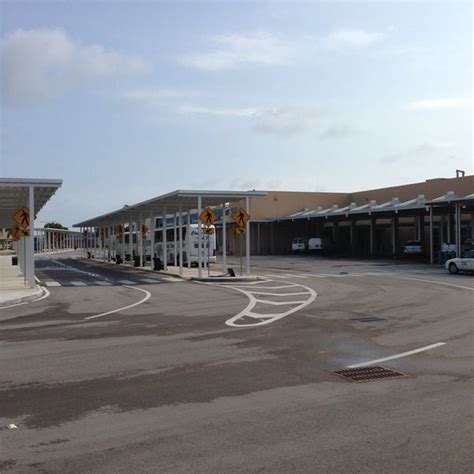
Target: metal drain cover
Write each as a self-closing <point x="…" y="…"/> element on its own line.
<point x="365" y="374"/>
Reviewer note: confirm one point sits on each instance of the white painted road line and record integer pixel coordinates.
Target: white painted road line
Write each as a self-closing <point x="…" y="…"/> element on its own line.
<point x="396" y="356"/>
<point x="77" y="283"/>
<point x="127" y="282"/>
<point x="52" y="283"/>
<point x="173" y="280"/>
<point x="147" y="293"/>
<point x="102" y="283"/>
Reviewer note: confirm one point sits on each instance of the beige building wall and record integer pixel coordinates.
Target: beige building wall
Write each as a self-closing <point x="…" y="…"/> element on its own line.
<point x="431" y="188"/>
<point x="283" y="203"/>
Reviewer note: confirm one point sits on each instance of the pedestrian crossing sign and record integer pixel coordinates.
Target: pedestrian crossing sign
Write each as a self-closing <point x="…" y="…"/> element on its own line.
<point x="241" y="217"/>
<point x="22" y="218"/>
<point x="208" y="216"/>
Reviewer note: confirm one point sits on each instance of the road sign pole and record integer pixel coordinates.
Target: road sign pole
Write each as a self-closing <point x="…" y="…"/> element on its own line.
<point x="224" y="239"/>
<point x="208" y="250"/>
<point x="241" y="258"/>
<point x="247" y="238"/>
<point x="199" y="238"/>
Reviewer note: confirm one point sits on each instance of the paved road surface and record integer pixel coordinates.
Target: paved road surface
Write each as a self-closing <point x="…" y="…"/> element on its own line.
<point x="165" y="385"/>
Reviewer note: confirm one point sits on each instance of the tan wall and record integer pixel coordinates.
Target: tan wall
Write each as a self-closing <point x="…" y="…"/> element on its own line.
<point x="431" y="189"/>
<point x="283" y="203"/>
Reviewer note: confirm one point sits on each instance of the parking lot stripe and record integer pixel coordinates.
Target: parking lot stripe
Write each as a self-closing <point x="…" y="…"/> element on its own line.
<point x="127" y="282"/>
<point x="52" y="283"/>
<point x="102" y="283"/>
<point x="77" y="283"/>
<point x="396" y="356"/>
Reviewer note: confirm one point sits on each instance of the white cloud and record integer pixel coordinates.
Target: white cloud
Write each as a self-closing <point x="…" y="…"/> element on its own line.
<point x="440" y="103"/>
<point x="355" y="38"/>
<point x="422" y="151"/>
<point x="43" y="63"/>
<point x="285" y="120"/>
<point x="243" y="112"/>
<point x="157" y="96"/>
<point x="278" y="121"/>
<point x="233" y="50"/>
<point x="338" y="130"/>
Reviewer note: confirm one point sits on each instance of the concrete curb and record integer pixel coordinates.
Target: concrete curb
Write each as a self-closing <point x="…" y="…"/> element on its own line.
<point x="226" y="279"/>
<point x="24" y="299"/>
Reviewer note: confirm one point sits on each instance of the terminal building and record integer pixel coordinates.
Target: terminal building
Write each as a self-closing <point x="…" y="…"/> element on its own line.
<point x="373" y="223"/>
<point x="438" y="214"/>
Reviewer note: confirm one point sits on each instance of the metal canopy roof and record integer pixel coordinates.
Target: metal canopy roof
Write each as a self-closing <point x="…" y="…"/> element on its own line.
<point x="14" y="195"/>
<point x="418" y="203"/>
<point x="187" y="199"/>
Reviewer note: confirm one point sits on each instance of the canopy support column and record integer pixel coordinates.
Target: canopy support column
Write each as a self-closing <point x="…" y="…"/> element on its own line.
<point x="175" y="243"/>
<point x="180" y="224"/>
<point x="188" y="233"/>
<point x="30" y="241"/>
<point x="224" y="239"/>
<point x="199" y="238"/>
<point x="431" y="236"/>
<point x="165" y="240"/>
<point x="152" y="238"/>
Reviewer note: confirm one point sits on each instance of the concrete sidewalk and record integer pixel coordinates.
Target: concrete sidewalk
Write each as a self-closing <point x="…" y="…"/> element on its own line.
<point x="13" y="288"/>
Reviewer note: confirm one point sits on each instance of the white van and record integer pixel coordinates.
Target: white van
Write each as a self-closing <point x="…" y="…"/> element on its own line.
<point x="315" y="244"/>
<point x="298" y="244"/>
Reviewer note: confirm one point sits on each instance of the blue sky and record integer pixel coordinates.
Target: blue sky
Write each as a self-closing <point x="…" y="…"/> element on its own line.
<point x="128" y="100"/>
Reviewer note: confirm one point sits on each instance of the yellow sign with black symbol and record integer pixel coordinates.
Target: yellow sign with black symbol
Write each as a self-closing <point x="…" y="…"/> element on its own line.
<point x="208" y="230"/>
<point x="241" y="217"/>
<point x="238" y="231"/>
<point x="208" y="216"/>
<point x="22" y="218"/>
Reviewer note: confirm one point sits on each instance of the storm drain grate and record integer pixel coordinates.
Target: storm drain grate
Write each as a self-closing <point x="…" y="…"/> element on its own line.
<point x="365" y="374"/>
<point x="368" y="320"/>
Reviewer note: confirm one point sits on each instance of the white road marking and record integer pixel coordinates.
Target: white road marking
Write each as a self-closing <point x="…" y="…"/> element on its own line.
<point x="173" y="280"/>
<point x="396" y="356"/>
<point x="147" y="293"/>
<point x="52" y="283"/>
<point x="102" y="283"/>
<point x="127" y="282"/>
<point x="266" y="318"/>
<point x="77" y="283"/>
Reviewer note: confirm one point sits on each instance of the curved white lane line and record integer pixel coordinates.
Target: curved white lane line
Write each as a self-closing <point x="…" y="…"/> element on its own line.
<point x="147" y="293"/>
<point x="46" y="294"/>
<point x="268" y="317"/>
<point x="430" y="281"/>
<point x="396" y="356"/>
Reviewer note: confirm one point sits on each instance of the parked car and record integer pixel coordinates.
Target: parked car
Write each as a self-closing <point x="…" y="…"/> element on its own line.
<point x="315" y="244"/>
<point x="413" y="247"/>
<point x="298" y="244"/>
<point x="461" y="264"/>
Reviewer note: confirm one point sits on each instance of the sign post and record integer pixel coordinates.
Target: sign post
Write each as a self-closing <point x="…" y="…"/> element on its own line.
<point x="208" y="217"/>
<point x="240" y="217"/>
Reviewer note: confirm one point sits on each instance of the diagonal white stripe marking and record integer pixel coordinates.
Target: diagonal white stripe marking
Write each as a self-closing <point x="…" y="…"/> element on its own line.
<point x="147" y="293"/>
<point x="102" y="283"/>
<point x="396" y="356"/>
<point x="77" y="283"/>
<point x="127" y="282"/>
<point x="52" y="283"/>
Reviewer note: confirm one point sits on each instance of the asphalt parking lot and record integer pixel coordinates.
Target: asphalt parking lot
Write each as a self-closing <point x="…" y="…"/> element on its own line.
<point x="122" y="370"/>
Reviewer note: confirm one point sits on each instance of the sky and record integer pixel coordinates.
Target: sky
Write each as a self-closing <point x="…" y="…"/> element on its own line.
<point x="124" y="101"/>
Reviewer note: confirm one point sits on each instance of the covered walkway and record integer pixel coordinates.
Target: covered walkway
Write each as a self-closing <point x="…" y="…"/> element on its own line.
<point x="132" y="232"/>
<point x="20" y="202"/>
